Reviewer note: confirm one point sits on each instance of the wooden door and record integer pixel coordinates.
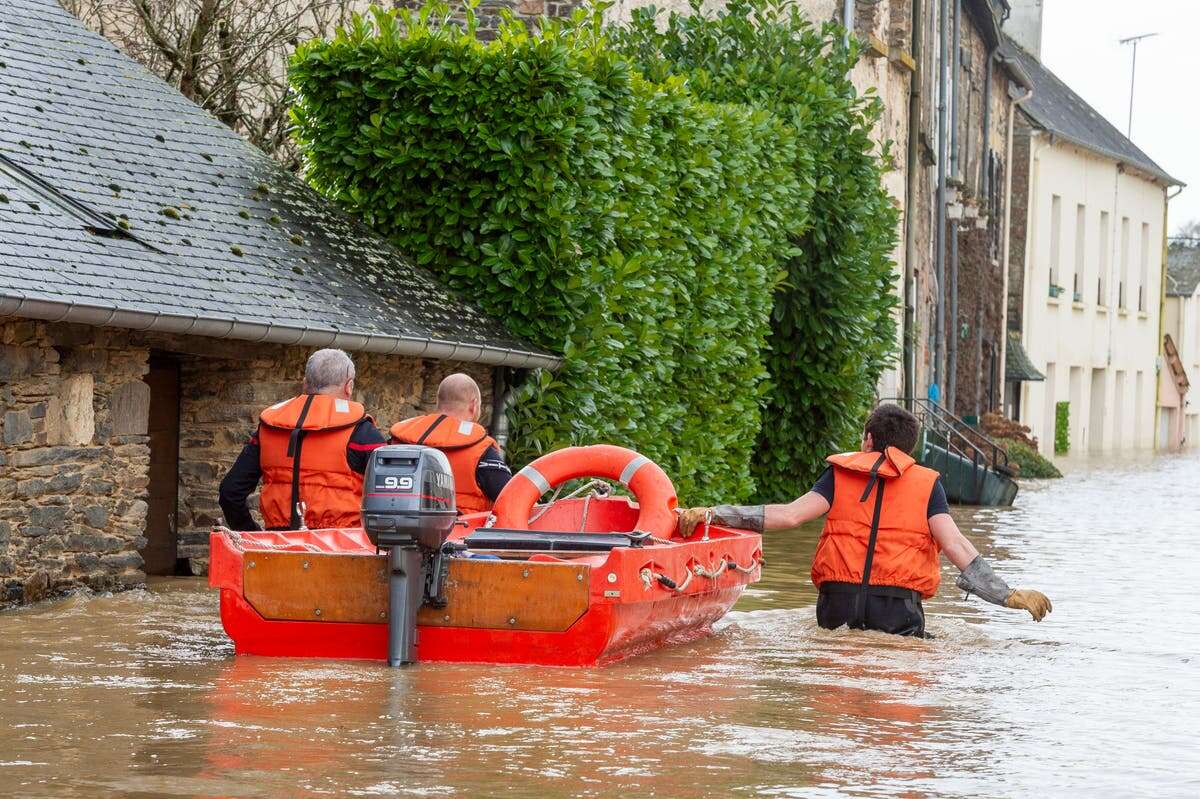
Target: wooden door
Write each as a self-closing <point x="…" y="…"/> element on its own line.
<point x="161" y="538"/>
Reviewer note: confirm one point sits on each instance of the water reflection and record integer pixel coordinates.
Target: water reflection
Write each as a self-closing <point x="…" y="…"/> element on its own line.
<point x="139" y="695"/>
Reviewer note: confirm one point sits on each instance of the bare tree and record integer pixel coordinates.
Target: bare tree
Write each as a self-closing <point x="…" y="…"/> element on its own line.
<point x="228" y="56"/>
<point x="1188" y="234"/>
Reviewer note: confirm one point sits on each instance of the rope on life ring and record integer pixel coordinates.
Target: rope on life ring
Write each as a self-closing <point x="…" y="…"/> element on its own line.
<point x="651" y="486"/>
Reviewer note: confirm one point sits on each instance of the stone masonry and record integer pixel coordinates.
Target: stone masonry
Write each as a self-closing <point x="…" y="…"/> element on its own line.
<point x="72" y="505"/>
<point x="75" y="456"/>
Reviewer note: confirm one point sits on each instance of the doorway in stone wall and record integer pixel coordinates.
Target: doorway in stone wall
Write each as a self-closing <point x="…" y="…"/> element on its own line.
<point x="160" y="553"/>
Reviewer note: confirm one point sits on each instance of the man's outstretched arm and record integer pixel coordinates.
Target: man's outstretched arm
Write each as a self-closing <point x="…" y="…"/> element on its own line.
<point x="977" y="575"/>
<point x="758" y="518"/>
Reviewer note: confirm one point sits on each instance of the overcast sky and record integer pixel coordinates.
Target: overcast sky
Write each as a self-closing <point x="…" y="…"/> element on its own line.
<point x="1079" y="43"/>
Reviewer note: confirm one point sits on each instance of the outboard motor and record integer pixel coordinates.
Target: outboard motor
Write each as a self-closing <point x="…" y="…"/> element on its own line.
<point x="408" y="511"/>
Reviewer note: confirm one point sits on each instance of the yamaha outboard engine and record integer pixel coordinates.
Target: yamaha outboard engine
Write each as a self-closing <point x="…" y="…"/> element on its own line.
<point x="408" y="511"/>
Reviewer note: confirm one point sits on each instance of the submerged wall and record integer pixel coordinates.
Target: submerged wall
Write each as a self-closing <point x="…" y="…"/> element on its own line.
<point x="72" y="507"/>
<point x="75" y="448"/>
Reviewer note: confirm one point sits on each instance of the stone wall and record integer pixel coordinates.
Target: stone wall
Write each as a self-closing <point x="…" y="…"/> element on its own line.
<point x="979" y="177"/>
<point x="72" y="507"/>
<point x="74" y="463"/>
<point x="222" y="397"/>
<point x="488" y="13"/>
<point x="1019" y="222"/>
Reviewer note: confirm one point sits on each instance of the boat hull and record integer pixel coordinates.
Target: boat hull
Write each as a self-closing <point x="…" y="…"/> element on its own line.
<point x="537" y="608"/>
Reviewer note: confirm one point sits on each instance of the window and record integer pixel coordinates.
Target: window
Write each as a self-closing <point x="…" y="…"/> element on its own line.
<point x="1144" y="268"/>
<point x="995" y="187"/>
<point x="1124" y="263"/>
<point x="1055" y="242"/>
<point x="1105" y="255"/>
<point x="1080" y="243"/>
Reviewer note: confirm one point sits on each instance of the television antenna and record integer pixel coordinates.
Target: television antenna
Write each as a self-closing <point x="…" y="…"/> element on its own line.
<point x="1133" y="40"/>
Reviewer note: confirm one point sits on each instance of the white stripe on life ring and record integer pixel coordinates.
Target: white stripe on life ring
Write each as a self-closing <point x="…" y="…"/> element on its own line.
<point x="534" y="476"/>
<point x="631" y="469"/>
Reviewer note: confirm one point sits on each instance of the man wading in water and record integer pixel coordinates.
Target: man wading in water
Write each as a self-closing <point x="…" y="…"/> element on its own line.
<point x="888" y="519"/>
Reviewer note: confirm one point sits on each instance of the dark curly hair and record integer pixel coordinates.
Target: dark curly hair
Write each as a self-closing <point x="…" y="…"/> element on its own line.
<point x="892" y="426"/>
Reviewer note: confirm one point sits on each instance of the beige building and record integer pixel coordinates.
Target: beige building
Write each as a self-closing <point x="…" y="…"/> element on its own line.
<point x="1086" y="271"/>
<point x="1178" y="409"/>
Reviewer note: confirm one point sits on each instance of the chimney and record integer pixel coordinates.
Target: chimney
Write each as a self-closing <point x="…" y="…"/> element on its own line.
<point x="1024" y="25"/>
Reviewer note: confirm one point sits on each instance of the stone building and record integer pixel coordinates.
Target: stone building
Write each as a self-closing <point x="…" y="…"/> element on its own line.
<point x="161" y="281"/>
<point x="966" y="338"/>
<point x="1086" y="272"/>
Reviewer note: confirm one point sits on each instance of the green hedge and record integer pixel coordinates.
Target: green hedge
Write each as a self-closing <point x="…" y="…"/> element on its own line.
<point x="833" y="326"/>
<point x="1030" y="460"/>
<point x="622" y="222"/>
<point x="1062" y="428"/>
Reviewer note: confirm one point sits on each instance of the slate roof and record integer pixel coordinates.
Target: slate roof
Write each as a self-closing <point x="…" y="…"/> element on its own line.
<point x="1017" y="366"/>
<point x="123" y="203"/>
<point x="1058" y="109"/>
<point x="1183" y="271"/>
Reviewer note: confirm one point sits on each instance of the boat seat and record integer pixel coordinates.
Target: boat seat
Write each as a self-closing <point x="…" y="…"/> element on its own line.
<point x="548" y="541"/>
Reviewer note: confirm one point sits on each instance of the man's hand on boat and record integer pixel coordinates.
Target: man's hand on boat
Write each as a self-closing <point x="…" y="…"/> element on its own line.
<point x="741" y="517"/>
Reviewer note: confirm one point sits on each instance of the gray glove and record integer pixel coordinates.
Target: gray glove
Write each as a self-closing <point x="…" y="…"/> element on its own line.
<point x="979" y="579"/>
<point x="743" y="517"/>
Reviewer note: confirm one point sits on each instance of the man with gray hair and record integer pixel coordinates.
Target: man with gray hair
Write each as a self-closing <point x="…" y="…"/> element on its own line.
<point x="310" y="453"/>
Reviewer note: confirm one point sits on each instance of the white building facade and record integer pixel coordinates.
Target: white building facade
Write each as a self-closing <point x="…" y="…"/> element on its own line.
<point x="1090" y="286"/>
<point x="1090" y="304"/>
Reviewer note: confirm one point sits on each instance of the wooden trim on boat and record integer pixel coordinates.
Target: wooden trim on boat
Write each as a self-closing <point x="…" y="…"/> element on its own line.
<point x="489" y="594"/>
<point x="316" y="586"/>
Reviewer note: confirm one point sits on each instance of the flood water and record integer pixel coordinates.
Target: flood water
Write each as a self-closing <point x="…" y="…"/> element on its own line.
<point x="139" y="694"/>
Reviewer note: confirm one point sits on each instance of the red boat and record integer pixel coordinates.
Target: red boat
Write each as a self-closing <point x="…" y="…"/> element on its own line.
<point x="539" y="597"/>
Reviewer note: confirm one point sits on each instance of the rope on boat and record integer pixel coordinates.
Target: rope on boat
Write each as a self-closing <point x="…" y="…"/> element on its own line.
<point x="599" y="489"/>
<point x="753" y="567"/>
<point x="713" y="573"/>
<point x="245" y="546"/>
<point x="698" y="570"/>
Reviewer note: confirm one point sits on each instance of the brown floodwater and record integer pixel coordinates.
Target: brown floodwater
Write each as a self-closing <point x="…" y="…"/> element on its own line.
<point x="139" y="694"/>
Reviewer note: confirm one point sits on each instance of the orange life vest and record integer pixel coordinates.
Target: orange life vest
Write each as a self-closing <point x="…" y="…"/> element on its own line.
<point x="464" y="444"/>
<point x="302" y="452"/>
<point x="892" y="485"/>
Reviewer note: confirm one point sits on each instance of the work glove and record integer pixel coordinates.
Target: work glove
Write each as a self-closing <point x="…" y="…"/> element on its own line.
<point x="689" y="518"/>
<point x="979" y="579"/>
<point x="741" y="517"/>
<point x="1037" y="603"/>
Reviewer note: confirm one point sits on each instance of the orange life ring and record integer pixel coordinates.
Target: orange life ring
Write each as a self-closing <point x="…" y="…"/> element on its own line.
<point x="649" y="483"/>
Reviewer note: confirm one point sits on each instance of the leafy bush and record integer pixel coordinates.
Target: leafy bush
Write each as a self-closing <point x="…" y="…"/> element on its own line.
<point x="1030" y="460"/>
<point x="833" y="330"/>
<point x="618" y="220"/>
<point x="1062" y="428"/>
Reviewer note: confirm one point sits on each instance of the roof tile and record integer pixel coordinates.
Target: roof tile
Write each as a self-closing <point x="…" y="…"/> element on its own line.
<point x="244" y="240"/>
<point x="1055" y="107"/>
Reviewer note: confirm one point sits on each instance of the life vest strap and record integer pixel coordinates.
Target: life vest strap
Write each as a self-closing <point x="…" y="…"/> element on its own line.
<point x="860" y="603"/>
<point x="431" y="428"/>
<point x="295" y="445"/>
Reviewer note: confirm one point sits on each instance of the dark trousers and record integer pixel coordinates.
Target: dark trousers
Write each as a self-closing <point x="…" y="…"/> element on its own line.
<point x="887" y="609"/>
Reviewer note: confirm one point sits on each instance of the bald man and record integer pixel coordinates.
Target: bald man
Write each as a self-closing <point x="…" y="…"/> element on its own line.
<point x="480" y="472"/>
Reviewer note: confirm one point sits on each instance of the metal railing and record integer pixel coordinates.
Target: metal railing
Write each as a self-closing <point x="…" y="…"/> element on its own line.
<point x="959" y="438"/>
